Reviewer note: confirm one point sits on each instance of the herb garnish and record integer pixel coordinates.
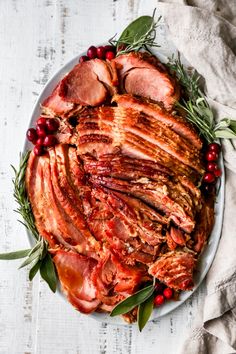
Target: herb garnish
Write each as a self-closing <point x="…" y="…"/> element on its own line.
<point x="143" y="299"/>
<point x="196" y="106"/>
<point x="144" y="312"/>
<point x="139" y="34"/>
<point x="38" y="255"/>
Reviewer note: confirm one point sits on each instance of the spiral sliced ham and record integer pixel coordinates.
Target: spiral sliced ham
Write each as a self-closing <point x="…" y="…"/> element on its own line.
<point x="118" y="198"/>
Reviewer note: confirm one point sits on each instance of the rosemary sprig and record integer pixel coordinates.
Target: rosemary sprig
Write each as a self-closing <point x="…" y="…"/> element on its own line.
<point x="196" y="106"/>
<point x="140" y="34"/>
<point x="37" y="256"/>
<point x="21" y="198"/>
<point x="200" y="115"/>
<point x="189" y="79"/>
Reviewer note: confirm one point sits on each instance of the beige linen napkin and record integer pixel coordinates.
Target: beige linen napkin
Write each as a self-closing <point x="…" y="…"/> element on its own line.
<point x="204" y="31"/>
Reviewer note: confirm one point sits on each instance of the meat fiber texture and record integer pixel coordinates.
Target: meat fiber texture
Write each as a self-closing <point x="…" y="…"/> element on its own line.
<point x="117" y="198"/>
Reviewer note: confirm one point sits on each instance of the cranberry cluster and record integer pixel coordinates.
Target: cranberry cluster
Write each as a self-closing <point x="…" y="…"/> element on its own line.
<point x="42" y="136"/>
<point x="162" y="294"/>
<point x="102" y="52"/>
<point x="213" y="171"/>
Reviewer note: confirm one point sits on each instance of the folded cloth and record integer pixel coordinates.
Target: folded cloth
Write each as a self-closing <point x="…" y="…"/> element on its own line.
<point x="204" y="32"/>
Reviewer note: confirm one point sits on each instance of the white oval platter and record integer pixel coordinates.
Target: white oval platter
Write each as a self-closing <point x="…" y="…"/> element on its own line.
<point x="209" y="252"/>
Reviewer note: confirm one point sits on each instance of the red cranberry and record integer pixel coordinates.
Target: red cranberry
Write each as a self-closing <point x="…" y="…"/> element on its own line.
<point x="211" y="156"/>
<point x="50" y="140"/>
<point x="168" y="293"/>
<point x="42" y="121"/>
<point x="40" y="141"/>
<point x="92" y="52"/>
<point x="214" y="147"/>
<point x="41" y="130"/>
<point x="38" y="150"/>
<point x="83" y="58"/>
<point x="110" y="48"/>
<point x="101" y="52"/>
<point x="209" y="177"/>
<point x="159" y="300"/>
<point x="159" y="288"/>
<point x="211" y="166"/>
<point x="218" y="172"/>
<point x="110" y="55"/>
<point x="31" y="135"/>
<point x="52" y="124"/>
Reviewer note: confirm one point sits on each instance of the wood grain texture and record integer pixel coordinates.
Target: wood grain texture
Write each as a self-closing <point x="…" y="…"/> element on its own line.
<point x="36" y="39"/>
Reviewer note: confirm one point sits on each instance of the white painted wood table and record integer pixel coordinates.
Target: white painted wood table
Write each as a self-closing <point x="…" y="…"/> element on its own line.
<point x="36" y="39"/>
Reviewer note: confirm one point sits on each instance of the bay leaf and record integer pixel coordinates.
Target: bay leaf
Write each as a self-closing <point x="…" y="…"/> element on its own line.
<point x="136" y="29"/>
<point x="144" y="312"/>
<point x="132" y="301"/>
<point x="48" y="273"/>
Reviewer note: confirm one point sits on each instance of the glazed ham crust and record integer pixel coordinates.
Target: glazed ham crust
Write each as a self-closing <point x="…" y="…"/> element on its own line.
<point x="177" y="123"/>
<point x="118" y="197"/>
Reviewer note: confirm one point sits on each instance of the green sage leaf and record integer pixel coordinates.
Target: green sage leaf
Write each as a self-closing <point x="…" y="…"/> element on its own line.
<point x="44" y="249"/>
<point x="14" y="255"/>
<point x="31" y="258"/>
<point x="48" y="273"/>
<point x="132" y="301"/>
<point x="144" y="312"/>
<point x="222" y="124"/>
<point x="225" y="134"/>
<point x="34" y="270"/>
<point x="35" y="248"/>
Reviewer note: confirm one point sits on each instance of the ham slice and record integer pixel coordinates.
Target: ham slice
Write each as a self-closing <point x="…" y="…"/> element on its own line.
<point x="35" y="189"/>
<point x="80" y="236"/>
<point x="123" y="167"/>
<point x="175" y="269"/>
<point x="49" y="216"/>
<point x="177" y="236"/>
<point x="55" y="105"/>
<point x="155" y="194"/>
<point x="114" y="280"/>
<point x="74" y="271"/>
<point x="89" y="83"/>
<point x="119" y="232"/>
<point x="139" y="76"/>
<point x="204" y="225"/>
